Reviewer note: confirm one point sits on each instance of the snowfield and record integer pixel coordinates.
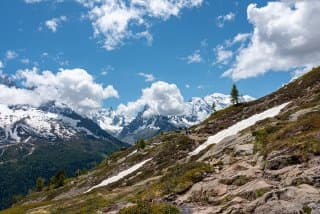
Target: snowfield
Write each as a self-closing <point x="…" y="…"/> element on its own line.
<point x="120" y="175"/>
<point x="236" y="128"/>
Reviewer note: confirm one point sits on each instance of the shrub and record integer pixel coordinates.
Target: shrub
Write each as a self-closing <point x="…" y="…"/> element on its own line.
<point x="177" y="180"/>
<point x="148" y="208"/>
<point x="39" y="184"/>
<point x="58" y="180"/>
<point x="141" y="144"/>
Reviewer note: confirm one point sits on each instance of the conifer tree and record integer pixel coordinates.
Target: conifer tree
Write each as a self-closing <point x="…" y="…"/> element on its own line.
<point x="213" y="106"/>
<point x="141" y="144"/>
<point x="39" y="184"/>
<point x="234" y="95"/>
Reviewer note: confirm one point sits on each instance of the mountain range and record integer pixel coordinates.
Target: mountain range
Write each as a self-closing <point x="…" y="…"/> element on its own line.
<point x="39" y="141"/>
<point x="197" y="109"/>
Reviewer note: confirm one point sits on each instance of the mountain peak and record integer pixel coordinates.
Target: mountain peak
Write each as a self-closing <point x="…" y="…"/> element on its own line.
<point x="196" y="110"/>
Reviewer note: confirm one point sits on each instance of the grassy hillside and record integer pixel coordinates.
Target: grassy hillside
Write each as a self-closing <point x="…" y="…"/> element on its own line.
<point x="271" y="167"/>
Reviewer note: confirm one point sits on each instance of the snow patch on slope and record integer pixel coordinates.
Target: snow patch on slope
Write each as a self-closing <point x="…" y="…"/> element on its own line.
<point x="119" y="176"/>
<point x="236" y="128"/>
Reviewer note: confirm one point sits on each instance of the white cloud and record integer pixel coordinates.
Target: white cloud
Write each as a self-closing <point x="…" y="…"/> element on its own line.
<point x="32" y="1"/>
<point x="285" y="37"/>
<point x="240" y="38"/>
<point x="73" y="87"/>
<point x="187" y="86"/>
<point x="223" y="56"/>
<point x="147" y="77"/>
<point x="39" y="1"/>
<point x="10" y="54"/>
<point x="53" y="24"/>
<point x="1" y="64"/>
<point x="15" y="96"/>
<point x="221" y="20"/>
<point x="44" y="54"/>
<point x="106" y="70"/>
<point x="116" y="21"/>
<point x="25" y="61"/>
<point x="204" y="43"/>
<point x="162" y="99"/>
<point x="195" y="57"/>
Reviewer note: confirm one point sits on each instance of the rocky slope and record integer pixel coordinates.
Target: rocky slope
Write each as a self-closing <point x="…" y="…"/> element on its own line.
<point x="269" y="167"/>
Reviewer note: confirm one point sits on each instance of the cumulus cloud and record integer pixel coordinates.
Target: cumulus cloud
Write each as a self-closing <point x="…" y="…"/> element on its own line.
<point x="221" y="20"/>
<point x="147" y="77"/>
<point x="74" y="87"/>
<point x="195" y="57"/>
<point x="239" y="38"/>
<point x="32" y="1"/>
<point x="10" y="54"/>
<point x="106" y="70"/>
<point x="53" y="24"/>
<point x="223" y="56"/>
<point x="116" y="21"/>
<point x="285" y="37"/>
<point x="16" y="96"/>
<point x="39" y="1"/>
<point x="161" y="98"/>
<point x="25" y="61"/>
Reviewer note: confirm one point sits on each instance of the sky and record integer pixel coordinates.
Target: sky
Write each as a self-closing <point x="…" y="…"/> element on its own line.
<point x="126" y="53"/>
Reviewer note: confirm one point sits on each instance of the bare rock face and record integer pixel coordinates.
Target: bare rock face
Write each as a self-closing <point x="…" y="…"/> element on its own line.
<point x="245" y="182"/>
<point x="279" y="161"/>
<point x="245" y="149"/>
<point x="279" y="207"/>
<point x="253" y="190"/>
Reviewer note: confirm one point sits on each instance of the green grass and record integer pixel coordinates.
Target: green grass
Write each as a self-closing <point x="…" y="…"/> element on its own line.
<point x="307" y="210"/>
<point x="149" y="208"/>
<point x="177" y="180"/>
<point x="300" y="137"/>
<point x="261" y="192"/>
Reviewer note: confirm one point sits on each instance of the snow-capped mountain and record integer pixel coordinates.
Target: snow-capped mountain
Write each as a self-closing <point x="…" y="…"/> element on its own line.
<point x="197" y="110"/>
<point x="20" y="123"/>
<point x="39" y="141"/>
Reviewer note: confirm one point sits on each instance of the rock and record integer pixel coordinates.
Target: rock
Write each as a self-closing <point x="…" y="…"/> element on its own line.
<point x="245" y="149"/>
<point x="253" y="189"/>
<point x="280" y="161"/>
<point x="204" y="191"/>
<point x="296" y="115"/>
<point x="279" y="174"/>
<point x="315" y="207"/>
<point x="286" y="200"/>
<point x="279" y="207"/>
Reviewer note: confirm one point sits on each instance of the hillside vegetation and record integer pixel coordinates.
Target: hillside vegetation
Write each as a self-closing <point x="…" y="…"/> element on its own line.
<point x="271" y="167"/>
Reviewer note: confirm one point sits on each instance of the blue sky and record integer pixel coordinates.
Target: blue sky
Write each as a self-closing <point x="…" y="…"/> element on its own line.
<point x="183" y="51"/>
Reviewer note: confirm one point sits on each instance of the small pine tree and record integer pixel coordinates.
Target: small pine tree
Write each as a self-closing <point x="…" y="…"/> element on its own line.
<point x="39" y="184"/>
<point x="234" y="95"/>
<point x="58" y="180"/>
<point x="214" y="107"/>
<point x="141" y="144"/>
